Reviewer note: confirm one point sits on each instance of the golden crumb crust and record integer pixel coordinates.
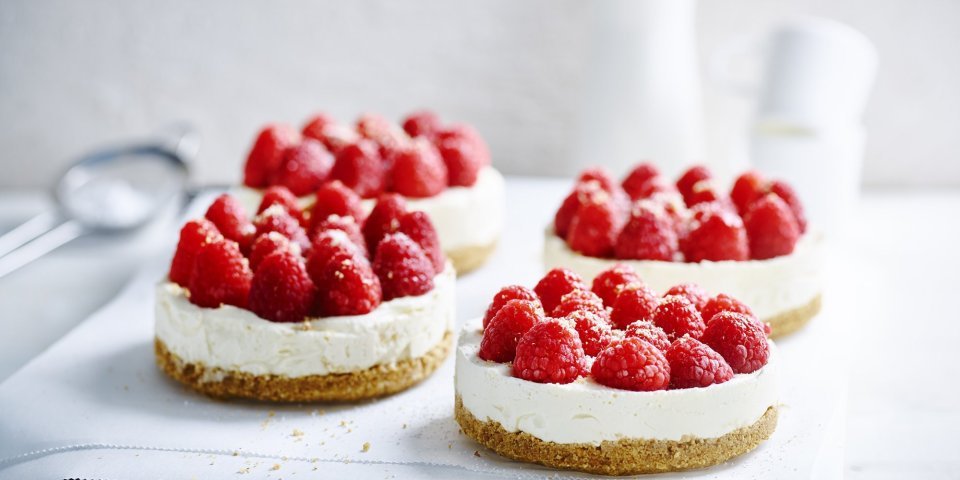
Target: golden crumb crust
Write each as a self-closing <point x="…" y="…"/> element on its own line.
<point x="622" y="457"/>
<point x="373" y="382"/>
<point x="467" y="259"/>
<point x="792" y="320"/>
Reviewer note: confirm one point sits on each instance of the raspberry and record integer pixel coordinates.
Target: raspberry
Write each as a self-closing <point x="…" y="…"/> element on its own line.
<point x="555" y="284"/>
<point x="281" y="290"/>
<point x="403" y="268"/>
<point x="417" y="226"/>
<point x="267" y="153"/>
<point x="594" y="228"/>
<point x="335" y="137"/>
<point x="500" y="337"/>
<point x="220" y="276"/>
<point x="636" y="301"/>
<point x="423" y="123"/>
<point x="786" y="192"/>
<point x="593" y="330"/>
<point x="579" y="300"/>
<point x="360" y="168"/>
<point x="695" y="365"/>
<point x="384" y="218"/>
<point x="462" y="160"/>
<point x="656" y="186"/>
<point x="748" y="187"/>
<point x="346" y="284"/>
<point x="510" y="292"/>
<point x="470" y="134"/>
<point x="703" y="192"/>
<point x="316" y="125"/>
<point x="599" y="175"/>
<point x="231" y="220"/>
<point x="692" y="292"/>
<point x="280" y="195"/>
<point x="772" y="229"/>
<point x="550" y="352"/>
<point x="329" y="243"/>
<point x="333" y="198"/>
<point x="645" y="330"/>
<point x="418" y="171"/>
<point x="632" y="364"/>
<point x="277" y="219"/>
<point x="608" y="283"/>
<point x="304" y="167"/>
<point x="723" y="303"/>
<point x="648" y="235"/>
<point x="346" y="225"/>
<point x="740" y="341"/>
<point x="193" y="236"/>
<point x="678" y="317"/>
<point x="636" y="181"/>
<point x="388" y="135"/>
<point x="265" y="245"/>
<point x="691" y="177"/>
<point x="583" y="193"/>
<point x="714" y="233"/>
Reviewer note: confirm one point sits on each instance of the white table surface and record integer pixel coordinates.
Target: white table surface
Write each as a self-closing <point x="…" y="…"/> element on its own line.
<point x="902" y="415"/>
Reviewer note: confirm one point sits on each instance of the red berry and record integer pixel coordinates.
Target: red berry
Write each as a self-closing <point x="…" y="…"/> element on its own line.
<point x="740" y="341"/>
<point x="193" y="236"/>
<point x="772" y="229"/>
<point x="692" y="292"/>
<point x="748" y="187"/>
<point x="335" y="137"/>
<point x="221" y="276"/>
<point x="267" y="154"/>
<point x="388" y="135"/>
<point x="500" y="337"/>
<point x="470" y="134"/>
<point x="510" y="292"/>
<point x="330" y="243"/>
<point x="333" y="198"/>
<point x="632" y="364"/>
<point x="281" y="290"/>
<point x="636" y="181"/>
<point x="277" y="219"/>
<point x="601" y="176"/>
<point x="384" y="218"/>
<point x="555" y="284"/>
<point x="304" y="167"/>
<point x="695" y="365"/>
<point x="418" y="227"/>
<point x="724" y="303"/>
<point x="346" y="225"/>
<point x="550" y="352"/>
<point x="316" y="125"/>
<point x="422" y="123"/>
<point x="265" y="245"/>
<point x="645" y="330"/>
<point x="418" y="171"/>
<point x="678" y="317"/>
<point x="280" y="195"/>
<point x="462" y="160"/>
<point x="608" y="283"/>
<point x="690" y="178"/>
<point x="593" y="330"/>
<point x="583" y="193"/>
<point x="656" y="186"/>
<point x="579" y="300"/>
<point x="231" y="220"/>
<point x="346" y="284"/>
<point x="360" y="167"/>
<point x="786" y="192"/>
<point x="648" y="235"/>
<point x="403" y="268"/>
<point x="703" y="192"/>
<point x="714" y="233"/>
<point x="636" y="301"/>
<point x="594" y="228"/>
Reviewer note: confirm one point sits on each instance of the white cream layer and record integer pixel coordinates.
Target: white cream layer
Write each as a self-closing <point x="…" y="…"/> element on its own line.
<point x="463" y="216"/>
<point x="587" y="412"/>
<point x="769" y="286"/>
<point x="238" y="340"/>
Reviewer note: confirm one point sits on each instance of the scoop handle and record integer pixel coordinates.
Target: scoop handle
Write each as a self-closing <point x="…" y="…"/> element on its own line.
<point x="40" y="245"/>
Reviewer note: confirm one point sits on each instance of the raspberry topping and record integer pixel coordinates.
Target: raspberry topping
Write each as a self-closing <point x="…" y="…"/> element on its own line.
<point x="786" y="192"/>
<point x="462" y="159"/>
<point x="771" y="228"/>
<point x="266" y="154"/>
<point x="583" y="193"/>
<point x="417" y="226"/>
<point x="346" y="284"/>
<point x="334" y="198"/>
<point x="555" y="284"/>
<point x="403" y="268"/>
<point x="265" y="245"/>
<point x="594" y="227"/>
<point x="231" y="220"/>
<point x="500" y="337"/>
<point x="608" y="283"/>
<point x="550" y="352"/>
<point x="748" y="187"/>
<point x="360" y="168"/>
<point x="601" y="176"/>
<point x="418" y="170"/>
<point x="384" y="218"/>
<point x="648" y="235"/>
<point x="678" y="317"/>
<point x="636" y="301"/>
<point x="703" y="192"/>
<point x="506" y="294"/>
<point x="714" y="233"/>
<point x="280" y="195"/>
<point x="593" y="330"/>
<point x="277" y="219"/>
<point x="281" y="290"/>
<point x="470" y="134"/>
<point x="645" y="330"/>
<point x="316" y="125"/>
<point x="740" y="341"/>
<point x="723" y="303"/>
<point x="346" y="225"/>
<point x="193" y="236"/>
<point x="635" y="184"/>
<point x="632" y="364"/>
<point x="692" y="292"/>
<point x="220" y="275"/>
<point x="691" y="177"/>
<point x="579" y="300"/>
<point x="329" y="243"/>
<point x="304" y="167"/>
<point x="423" y="123"/>
<point x="335" y="137"/>
<point x="385" y="133"/>
<point x="695" y="365"/>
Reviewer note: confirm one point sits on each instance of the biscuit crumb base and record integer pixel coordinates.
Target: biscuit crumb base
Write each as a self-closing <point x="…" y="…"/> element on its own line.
<point x="622" y="457"/>
<point x="467" y="259"/>
<point x="792" y="320"/>
<point x="373" y="382"/>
